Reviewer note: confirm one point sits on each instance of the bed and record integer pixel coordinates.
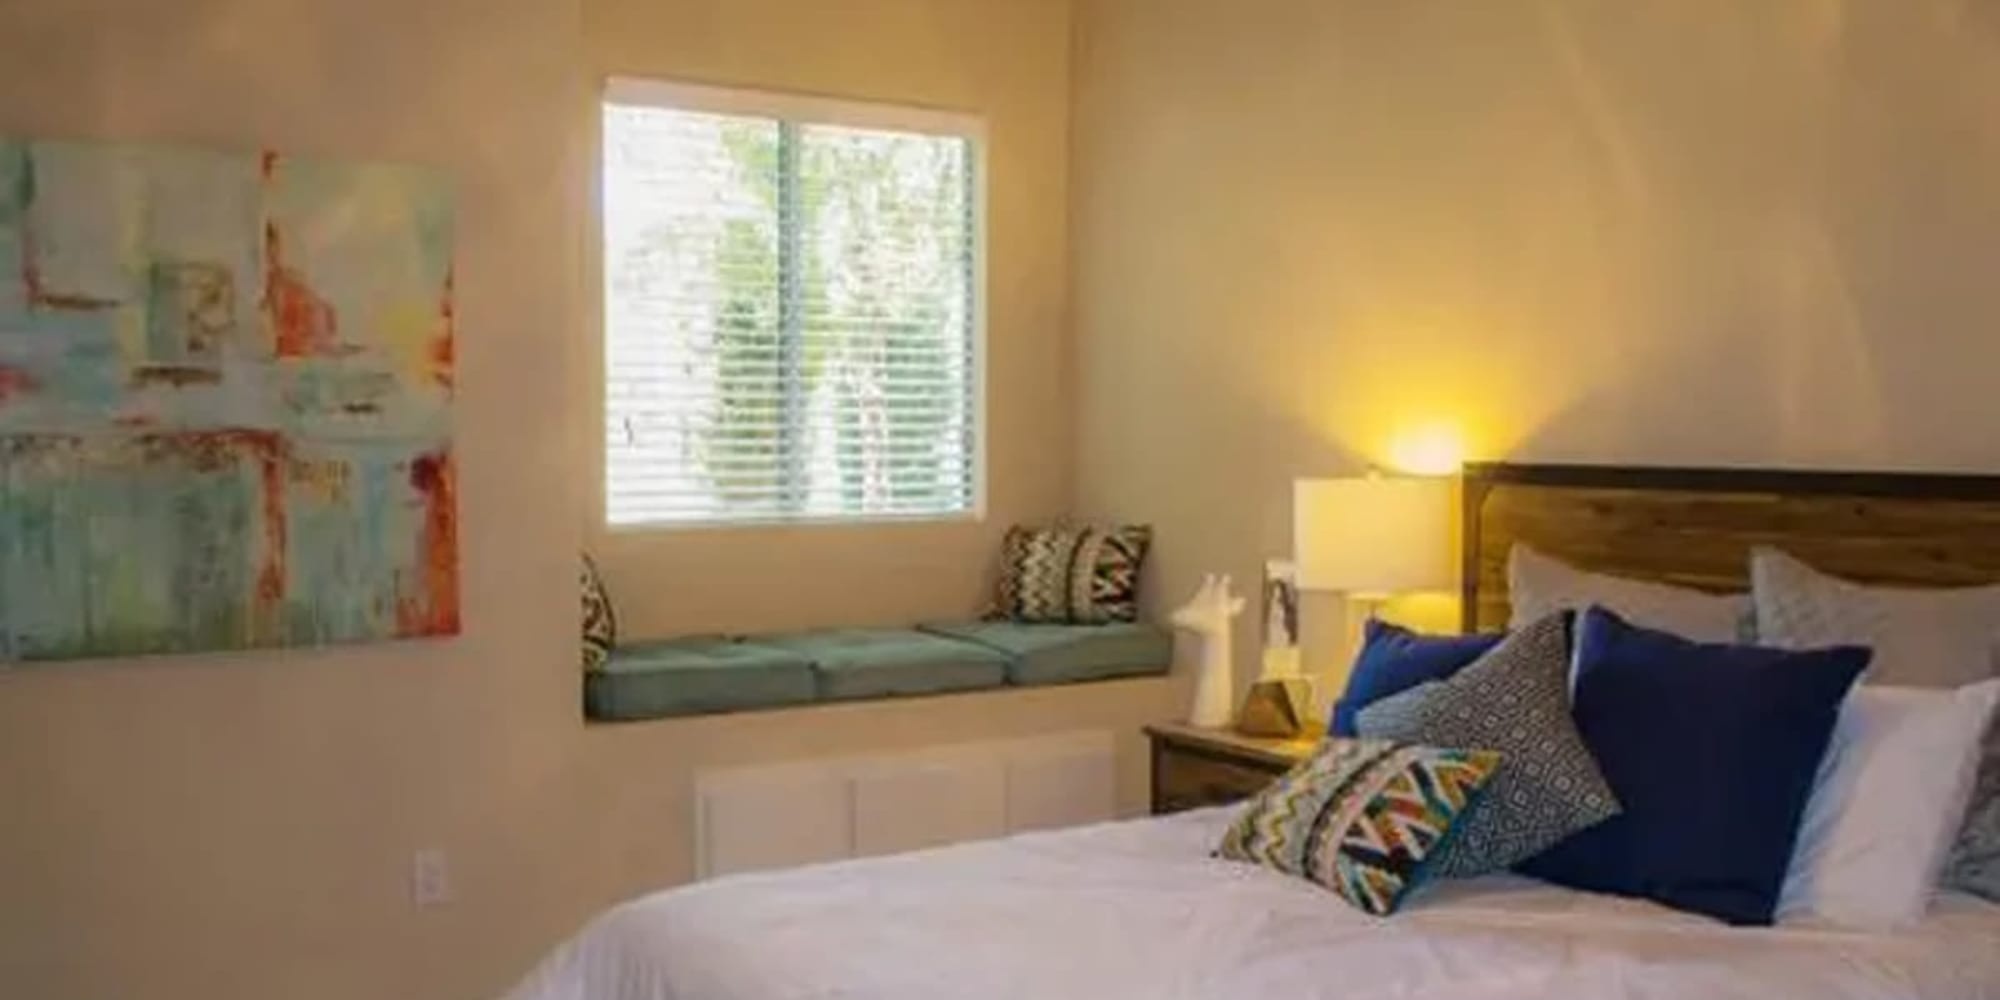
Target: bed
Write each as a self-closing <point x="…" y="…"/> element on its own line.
<point x="1140" y="909"/>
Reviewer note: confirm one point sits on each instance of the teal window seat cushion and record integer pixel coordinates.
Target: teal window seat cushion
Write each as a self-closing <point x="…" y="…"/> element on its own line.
<point x="696" y="676"/>
<point x="713" y="674"/>
<point x="1040" y="654"/>
<point x="887" y="663"/>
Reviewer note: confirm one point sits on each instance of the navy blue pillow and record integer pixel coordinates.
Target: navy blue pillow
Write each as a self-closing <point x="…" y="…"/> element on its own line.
<point x="1394" y="659"/>
<point x="1712" y="750"/>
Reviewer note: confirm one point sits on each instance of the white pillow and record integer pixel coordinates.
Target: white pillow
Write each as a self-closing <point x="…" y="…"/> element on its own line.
<point x="1886" y="806"/>
<point x="1539" y="586"/>
<point x="1922" y="638"/>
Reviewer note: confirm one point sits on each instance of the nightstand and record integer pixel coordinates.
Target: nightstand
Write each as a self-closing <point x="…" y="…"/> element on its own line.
<point x="1195" y="767"/>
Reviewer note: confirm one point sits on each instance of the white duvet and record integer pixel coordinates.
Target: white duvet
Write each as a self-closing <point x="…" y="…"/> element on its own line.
<point x="1140" y="910"/>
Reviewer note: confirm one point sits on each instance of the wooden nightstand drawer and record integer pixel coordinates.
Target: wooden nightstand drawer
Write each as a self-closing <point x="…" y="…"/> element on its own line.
<point x="1189" y="781"/>
<point x="1194" y="768"/>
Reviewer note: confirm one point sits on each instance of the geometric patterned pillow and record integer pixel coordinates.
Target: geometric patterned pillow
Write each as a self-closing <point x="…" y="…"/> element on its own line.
<point x="1076" y="575"/>
<point x="1922" y="637"/>
<point x="600" y="623"/>
<point x="1975" y="859"/>
<point x="1514" y="700"/>
<point x="1364" y="818"/>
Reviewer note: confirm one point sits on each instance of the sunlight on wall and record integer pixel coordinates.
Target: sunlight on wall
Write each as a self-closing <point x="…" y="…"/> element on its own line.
<point x="1420" y="407"/>
<point x="1431" y="361"/>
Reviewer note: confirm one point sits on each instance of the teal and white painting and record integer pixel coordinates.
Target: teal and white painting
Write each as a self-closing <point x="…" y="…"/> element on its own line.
<point x="225" y="395"/>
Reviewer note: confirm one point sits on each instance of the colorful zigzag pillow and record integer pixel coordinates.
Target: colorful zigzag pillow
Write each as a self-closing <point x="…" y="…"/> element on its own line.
<point x="1364" y="818"/>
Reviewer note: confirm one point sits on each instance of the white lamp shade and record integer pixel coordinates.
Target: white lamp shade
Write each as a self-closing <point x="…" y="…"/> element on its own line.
<point x="1372" y="536"/>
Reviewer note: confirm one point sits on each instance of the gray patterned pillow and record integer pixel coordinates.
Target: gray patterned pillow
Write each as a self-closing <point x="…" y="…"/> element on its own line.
<point x="1514" y="700"/>
<point x="1975" y="859"/>
<point x="1922" y="637"/>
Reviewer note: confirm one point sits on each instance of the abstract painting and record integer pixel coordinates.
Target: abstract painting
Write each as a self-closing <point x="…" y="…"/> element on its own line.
<point x="225" y="401"/>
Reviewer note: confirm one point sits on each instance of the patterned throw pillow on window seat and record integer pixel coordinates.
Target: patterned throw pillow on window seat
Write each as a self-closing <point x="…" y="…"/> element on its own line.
<point x="1077" y="575"/>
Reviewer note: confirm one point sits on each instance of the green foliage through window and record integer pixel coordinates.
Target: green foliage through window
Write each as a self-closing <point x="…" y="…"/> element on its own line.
<point x="790" y="319"/>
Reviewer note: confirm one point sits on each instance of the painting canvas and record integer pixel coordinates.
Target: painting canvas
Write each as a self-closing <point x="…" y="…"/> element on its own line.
<point x="225" y="394"/>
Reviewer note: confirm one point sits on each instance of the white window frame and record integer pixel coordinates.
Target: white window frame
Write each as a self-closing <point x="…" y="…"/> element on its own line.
<point x="806" y="109"/>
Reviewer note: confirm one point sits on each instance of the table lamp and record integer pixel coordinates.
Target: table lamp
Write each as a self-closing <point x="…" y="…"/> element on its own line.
<point x="1371" y="538"/>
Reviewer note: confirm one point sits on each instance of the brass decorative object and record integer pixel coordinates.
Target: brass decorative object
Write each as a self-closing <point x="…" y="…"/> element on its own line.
<point x="1279" y="708"/>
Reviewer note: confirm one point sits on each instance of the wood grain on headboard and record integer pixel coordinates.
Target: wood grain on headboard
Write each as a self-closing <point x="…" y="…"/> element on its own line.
<point x="1695" y="527"/>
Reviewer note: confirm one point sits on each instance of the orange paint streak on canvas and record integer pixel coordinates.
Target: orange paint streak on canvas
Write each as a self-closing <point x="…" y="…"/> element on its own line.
<point x="302" y="323"/>
<point x="15" y="382"/>
<point x="444" y="359"/>
<point x="271" y="572"/>
<point x="212" y="450"/>
<point x="436" y="613"/>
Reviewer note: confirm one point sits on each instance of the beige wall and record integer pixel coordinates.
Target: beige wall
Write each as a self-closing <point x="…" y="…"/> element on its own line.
<point x="241" y="826"/>
<point x="1705" y="232"/>
<point x="1008" y="62"/>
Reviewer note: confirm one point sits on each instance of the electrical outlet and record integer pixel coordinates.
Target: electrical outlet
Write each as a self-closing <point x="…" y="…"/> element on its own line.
<point x="430" y="878"/>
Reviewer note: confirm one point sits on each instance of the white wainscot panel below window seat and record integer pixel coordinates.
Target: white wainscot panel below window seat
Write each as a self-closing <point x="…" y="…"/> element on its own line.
<point x="797" y="813"/>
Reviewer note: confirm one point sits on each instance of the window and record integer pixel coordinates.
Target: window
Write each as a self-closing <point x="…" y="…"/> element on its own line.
<point x="792" y="309"/>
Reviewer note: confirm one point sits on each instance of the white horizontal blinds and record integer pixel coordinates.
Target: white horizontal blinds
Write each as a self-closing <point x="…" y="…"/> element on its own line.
<point x="691" y="286"/>
<point x="886" y="321"/>
<point x="791" y="319"/>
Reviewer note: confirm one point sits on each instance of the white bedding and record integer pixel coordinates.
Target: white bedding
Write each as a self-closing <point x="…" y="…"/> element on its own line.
<point x="1139" y="910"/>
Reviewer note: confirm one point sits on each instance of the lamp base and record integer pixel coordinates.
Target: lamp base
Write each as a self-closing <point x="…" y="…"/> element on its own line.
<point x="1276" y="708"/>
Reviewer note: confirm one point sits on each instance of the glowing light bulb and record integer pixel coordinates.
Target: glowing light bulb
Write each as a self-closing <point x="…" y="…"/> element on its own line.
<point x="1429" y="450"/>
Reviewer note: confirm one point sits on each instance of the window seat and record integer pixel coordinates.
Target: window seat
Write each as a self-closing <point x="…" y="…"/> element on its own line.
<point x="712" y="674"/>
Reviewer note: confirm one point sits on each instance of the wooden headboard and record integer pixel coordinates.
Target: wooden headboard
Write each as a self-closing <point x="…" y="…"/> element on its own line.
<point x="1695" y="527"/>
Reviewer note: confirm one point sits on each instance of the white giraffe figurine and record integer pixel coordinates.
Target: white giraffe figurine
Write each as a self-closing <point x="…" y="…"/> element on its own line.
<point x="1209" y="614"/>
